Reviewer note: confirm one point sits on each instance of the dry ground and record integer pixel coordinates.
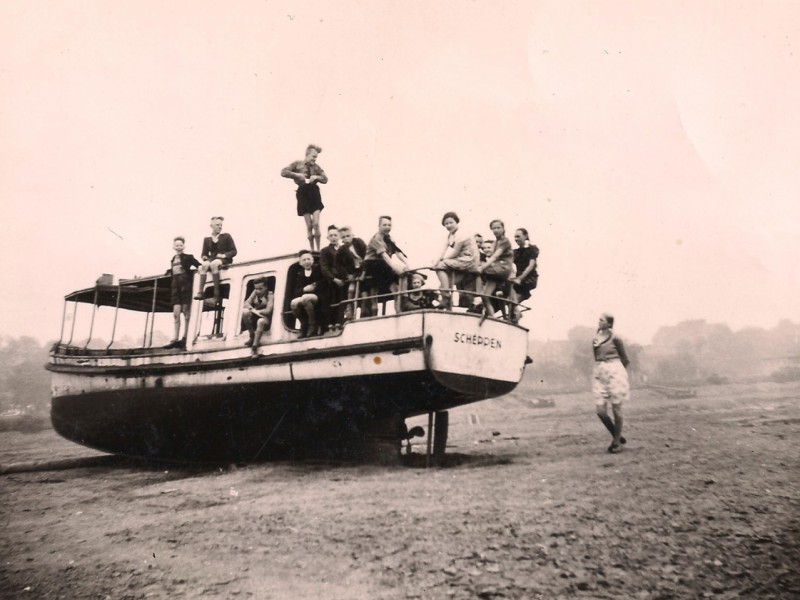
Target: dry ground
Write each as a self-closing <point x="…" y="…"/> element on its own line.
<point x="704" y="502"/>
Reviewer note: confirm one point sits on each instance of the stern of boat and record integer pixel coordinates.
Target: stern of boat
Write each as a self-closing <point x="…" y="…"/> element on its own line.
<point x="477" y="358"/>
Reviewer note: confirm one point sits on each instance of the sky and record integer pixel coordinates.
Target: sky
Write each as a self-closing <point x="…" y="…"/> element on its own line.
<point x="650" y="148"/>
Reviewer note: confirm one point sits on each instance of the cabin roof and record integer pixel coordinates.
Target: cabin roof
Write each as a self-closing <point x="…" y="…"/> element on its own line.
<point x="134" y="294"/>
<point x="137" y="294"/>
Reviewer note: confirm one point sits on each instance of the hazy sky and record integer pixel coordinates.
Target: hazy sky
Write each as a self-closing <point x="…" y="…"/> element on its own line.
<point x="651" y="149"/>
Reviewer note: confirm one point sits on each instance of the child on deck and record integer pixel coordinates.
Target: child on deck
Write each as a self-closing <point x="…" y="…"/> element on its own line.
<point x="257" y="313"/>
<point x="348" y="265"/>
<point x="305" y="300"/>
<point x="417" y="298"/>
<point x="182" y="275"/>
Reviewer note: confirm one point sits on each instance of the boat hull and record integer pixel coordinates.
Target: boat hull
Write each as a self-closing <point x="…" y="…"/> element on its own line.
<point x="257" y="421"/>
<point x="318" y="397"/>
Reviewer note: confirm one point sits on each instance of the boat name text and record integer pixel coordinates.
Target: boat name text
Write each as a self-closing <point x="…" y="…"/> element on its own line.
<point x="476" y="340"/>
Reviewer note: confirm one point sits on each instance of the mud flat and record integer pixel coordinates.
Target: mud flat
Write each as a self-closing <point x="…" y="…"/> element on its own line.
<point x="704" y="502"/>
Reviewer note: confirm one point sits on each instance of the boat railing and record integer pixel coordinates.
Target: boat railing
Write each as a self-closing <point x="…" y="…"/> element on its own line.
<point x="500" y="298"/>
<point x="361" y="302"/>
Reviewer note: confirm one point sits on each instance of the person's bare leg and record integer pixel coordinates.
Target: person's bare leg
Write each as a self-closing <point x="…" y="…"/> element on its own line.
<point x="309" y="231"/>
<point x="315" y="230"/>
<point x="488" y="290"/>
<point x="176" y="314"/>
<point x="187" y="311"/>
<point x="311" y="317"/>
<point x="445" y="288"/>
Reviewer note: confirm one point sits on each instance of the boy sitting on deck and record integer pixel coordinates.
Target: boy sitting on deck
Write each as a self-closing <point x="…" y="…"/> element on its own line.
<point x="305" y="299"/>
<point x="257" y="313"/>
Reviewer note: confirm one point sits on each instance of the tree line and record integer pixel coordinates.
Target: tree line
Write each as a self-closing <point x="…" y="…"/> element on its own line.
<point x="691" y="352"/>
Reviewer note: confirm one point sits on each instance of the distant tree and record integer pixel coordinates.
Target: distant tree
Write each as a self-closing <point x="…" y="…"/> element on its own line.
<point x="25" y="383"/>
<point x="785" y="338"/>
<point x="677" y="368"/>
<point x="580" y="346"/>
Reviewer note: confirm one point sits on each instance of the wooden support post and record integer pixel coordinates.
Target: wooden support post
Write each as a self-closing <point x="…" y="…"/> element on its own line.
<point x="440" y="428"/>
<point x="430" y="437"/>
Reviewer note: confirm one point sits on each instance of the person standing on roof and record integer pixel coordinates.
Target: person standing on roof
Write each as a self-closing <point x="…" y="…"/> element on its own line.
<point x="307" y="174"/>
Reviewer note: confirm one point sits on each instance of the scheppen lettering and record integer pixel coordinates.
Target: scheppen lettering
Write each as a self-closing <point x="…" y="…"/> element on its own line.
<point x="477" y="340"/>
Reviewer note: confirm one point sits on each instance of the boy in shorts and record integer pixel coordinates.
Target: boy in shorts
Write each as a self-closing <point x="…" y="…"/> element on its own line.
<point x="182" y="275"/>
<point x="257" y="312"/>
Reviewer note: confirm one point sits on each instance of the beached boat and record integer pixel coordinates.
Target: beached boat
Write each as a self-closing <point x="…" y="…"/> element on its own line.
<point x="217" y="401"/>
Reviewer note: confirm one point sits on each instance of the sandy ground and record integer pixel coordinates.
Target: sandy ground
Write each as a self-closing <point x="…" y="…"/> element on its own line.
<point x="704" y="502"/>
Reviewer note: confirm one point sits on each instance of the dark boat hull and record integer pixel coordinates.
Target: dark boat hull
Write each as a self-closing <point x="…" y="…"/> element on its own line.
<point x="319" y="396"/>
<point x="325" y="417"/>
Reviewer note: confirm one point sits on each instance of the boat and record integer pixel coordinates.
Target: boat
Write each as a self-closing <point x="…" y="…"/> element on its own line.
<point x="216" y="401"/>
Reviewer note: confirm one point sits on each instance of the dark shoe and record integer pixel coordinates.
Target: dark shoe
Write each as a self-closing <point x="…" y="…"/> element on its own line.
<point x="249" y="342"/>
<point x="254" y="350"/>
<point x="173" y="344"/>
<point x="615" y="449"/>
<point x="199" y="296"/>
<point x="181" y="344"/>
<point x="623" y="441"/>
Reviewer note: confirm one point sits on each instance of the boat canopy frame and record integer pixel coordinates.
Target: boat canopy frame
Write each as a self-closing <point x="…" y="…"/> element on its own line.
<point x="145" y="294"/>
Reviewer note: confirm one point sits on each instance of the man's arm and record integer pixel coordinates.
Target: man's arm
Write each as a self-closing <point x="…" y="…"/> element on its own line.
<point x="393" y="266"/>
<point x="320" y="177"/>
<point x="266" y="312"/>
<point x="228" y="246"/>
<point x="248" y="304"/>
<point x="291" y="172"/>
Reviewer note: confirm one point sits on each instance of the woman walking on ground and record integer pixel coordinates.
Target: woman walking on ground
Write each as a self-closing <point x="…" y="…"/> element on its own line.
<point x="610" y="379"/>
<point x="459" y="259"/>
<point x="525" y="258"/>
<point x="307" y="174"/>
<point x="497" y="267"/>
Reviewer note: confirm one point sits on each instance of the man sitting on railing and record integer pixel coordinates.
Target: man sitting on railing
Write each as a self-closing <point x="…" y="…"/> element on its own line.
<point x="459" y="259"/>
<point x="384" y="264"/>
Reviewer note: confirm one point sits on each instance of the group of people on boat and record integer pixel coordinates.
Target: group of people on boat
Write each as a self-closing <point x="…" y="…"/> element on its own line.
<point x="488" y="274"/>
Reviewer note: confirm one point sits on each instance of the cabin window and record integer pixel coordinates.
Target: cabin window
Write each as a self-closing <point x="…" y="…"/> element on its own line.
<point x="212" y="317"/>
<point x="249" y="285"/>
